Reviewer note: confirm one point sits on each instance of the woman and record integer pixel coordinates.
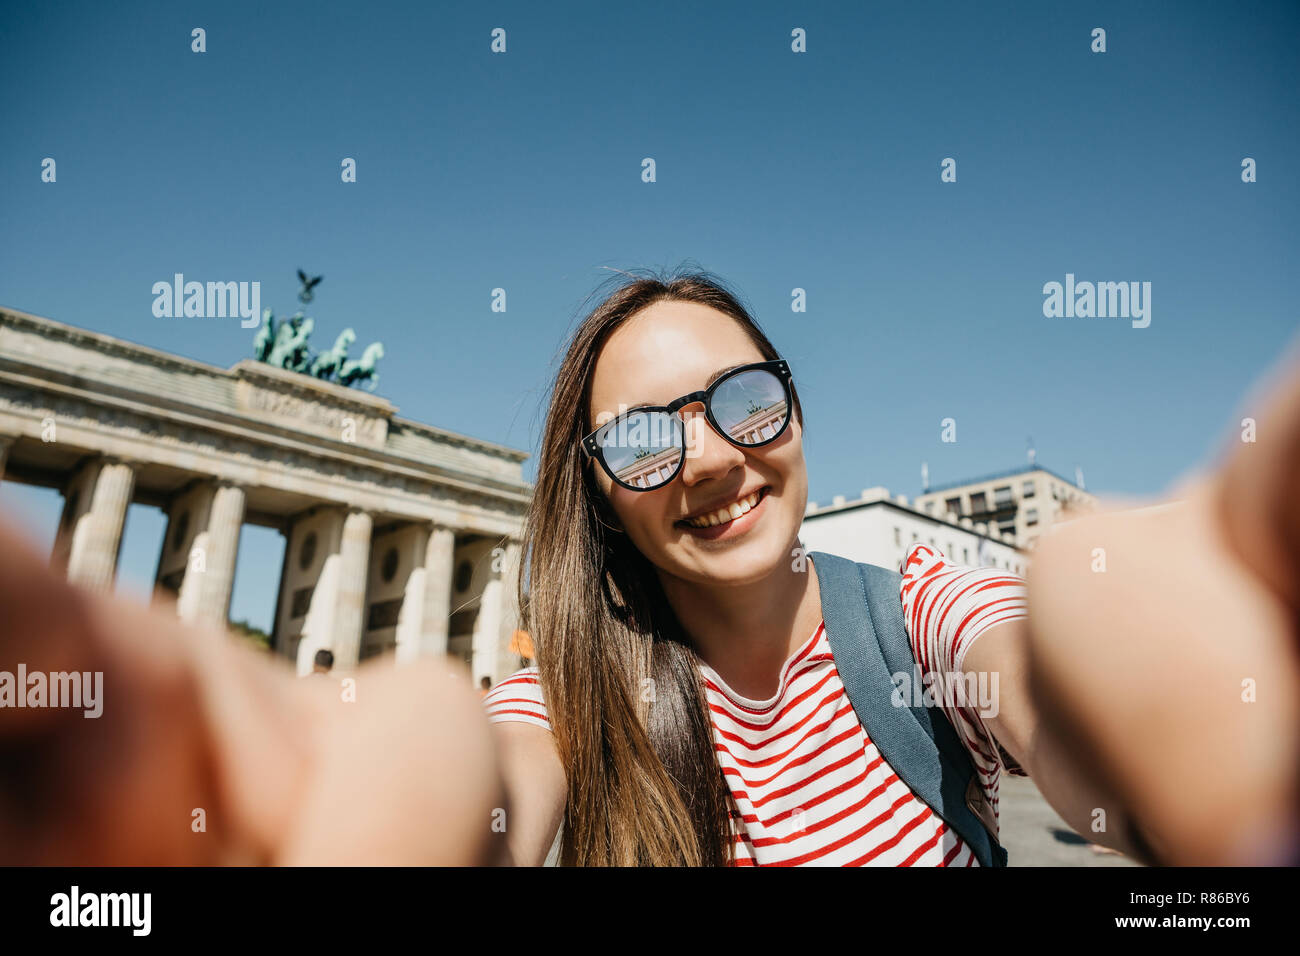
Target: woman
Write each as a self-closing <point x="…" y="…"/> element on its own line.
<point x="1166" y="688"/>
<point x="686" y="707"/>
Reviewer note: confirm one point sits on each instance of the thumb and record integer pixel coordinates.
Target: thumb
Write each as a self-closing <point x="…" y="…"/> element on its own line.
<point x="1257" y="494"/>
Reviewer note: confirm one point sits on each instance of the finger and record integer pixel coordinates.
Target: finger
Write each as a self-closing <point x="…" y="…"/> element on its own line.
<point x="112" y="785"/>
<point x="1258" y="490"/>
<point x="404" y="773"/>
<point x="260" y="734"/>
<point x="44" y="621"/>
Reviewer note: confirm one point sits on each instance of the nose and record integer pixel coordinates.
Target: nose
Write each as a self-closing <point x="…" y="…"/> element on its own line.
<point x="708" y="454"/>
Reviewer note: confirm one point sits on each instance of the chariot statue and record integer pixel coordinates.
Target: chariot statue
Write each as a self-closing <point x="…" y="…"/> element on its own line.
<point x="286" y="345"/>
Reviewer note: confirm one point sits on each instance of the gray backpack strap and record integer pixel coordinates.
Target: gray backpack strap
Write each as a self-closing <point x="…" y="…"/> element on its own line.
<point x="864" y="625"/>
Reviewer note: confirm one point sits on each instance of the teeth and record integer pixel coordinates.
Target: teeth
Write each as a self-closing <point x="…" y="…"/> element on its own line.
<point x="729" y="513"/>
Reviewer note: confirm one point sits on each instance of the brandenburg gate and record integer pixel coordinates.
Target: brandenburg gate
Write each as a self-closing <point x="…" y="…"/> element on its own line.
<point x="399" y="536"/>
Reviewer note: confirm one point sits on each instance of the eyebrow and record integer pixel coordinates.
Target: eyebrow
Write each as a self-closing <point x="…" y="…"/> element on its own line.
<point x="712" y="378"/>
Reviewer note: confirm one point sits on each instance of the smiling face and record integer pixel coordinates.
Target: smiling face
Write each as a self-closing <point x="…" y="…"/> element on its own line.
<point x="669" y="349"/>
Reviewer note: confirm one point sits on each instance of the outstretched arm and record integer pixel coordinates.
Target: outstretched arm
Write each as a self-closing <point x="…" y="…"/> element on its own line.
<point x="1153" y="692"/>
<point x="1174" y="672"/>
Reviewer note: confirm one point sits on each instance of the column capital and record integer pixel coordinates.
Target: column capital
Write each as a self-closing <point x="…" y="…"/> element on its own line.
<point x="219" y="481"/>
<point x="116" y="459"/>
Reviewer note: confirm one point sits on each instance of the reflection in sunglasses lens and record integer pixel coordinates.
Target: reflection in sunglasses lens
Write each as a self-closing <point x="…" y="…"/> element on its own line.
<point x="644" y="449"/>
<point x="751" y="407"/>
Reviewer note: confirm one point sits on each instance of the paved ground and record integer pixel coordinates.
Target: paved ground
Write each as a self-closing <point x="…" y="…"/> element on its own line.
<point x="1034" y="835"/>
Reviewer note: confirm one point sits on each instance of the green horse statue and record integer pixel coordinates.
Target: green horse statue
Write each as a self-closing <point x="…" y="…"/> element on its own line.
<point x="328" y="363"/>
<point x="363" y="370"/>
<point x="265" y="336"/>
<point x="290" y="350"/>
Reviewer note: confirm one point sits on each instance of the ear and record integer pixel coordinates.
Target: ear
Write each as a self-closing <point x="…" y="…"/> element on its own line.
<point x="607" y="515"/>
<point x="604" y="510"/>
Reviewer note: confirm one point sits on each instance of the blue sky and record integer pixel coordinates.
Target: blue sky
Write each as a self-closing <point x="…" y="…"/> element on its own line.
<point x="775" y="170"/>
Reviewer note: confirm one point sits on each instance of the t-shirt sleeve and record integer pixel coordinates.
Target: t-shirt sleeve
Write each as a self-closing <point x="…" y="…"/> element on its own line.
<point x="946" y="607"/>
<point x="518" y="697"/>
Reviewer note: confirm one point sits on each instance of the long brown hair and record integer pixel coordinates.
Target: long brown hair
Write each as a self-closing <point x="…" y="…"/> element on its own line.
<point x="618" y="673"/>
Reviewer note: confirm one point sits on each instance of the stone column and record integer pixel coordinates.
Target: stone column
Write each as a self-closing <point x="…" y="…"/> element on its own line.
<point x="350" y="602"/>
<point x="98" y="534"/>
<point x="439" y="555"/>
<point x="509" y="620"/>
<point x="210" y="576"/>
<point x="498" y="616"/>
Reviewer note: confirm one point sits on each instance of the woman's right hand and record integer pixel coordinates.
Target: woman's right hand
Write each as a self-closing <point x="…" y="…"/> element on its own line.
<point x="207" y="752"/>
<point x="1166" y="649"/>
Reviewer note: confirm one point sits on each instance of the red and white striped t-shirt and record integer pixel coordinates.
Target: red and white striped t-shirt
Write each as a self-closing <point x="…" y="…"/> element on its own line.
<point x="810" y="785"/>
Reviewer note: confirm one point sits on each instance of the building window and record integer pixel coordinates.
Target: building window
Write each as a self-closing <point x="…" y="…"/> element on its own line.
<point x="915" y="536"/>
<point x="70" y="509"/>
<point x="182" y="530"/>
<point x="1027" y="490"/>
<point x="977" y="505"/>
<point x="1002" y="497"/>
<point x="388" y="569"/>
<point x="898" y="537"/>
<point x="307" y="553"/>
<point x="300" y="602"/>
<point x="965" y="555"/>
<point x="929" y="507"/>
<point x="1031" y="516"/>
<point x="954" y="506"/>
<point x="1009" y="528"/>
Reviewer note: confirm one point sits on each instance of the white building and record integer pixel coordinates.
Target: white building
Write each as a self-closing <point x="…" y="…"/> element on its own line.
<point x="878" y="529"/>
<point x="1021" y="504"/>
<point x="401" y="538"/>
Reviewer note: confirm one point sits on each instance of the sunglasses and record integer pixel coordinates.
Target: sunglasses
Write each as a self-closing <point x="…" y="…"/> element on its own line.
<point x="645" y="447"/>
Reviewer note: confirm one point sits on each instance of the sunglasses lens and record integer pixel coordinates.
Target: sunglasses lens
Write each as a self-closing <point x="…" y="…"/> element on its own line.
<point x="751" y="406"/>
<point x="644" y="449"/>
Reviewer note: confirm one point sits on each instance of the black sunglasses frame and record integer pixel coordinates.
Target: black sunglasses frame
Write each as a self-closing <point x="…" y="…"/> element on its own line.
<point x="592" y="449"/>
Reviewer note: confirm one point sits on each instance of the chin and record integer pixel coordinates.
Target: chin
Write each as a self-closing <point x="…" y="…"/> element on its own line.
<point x="752" y="561"/>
